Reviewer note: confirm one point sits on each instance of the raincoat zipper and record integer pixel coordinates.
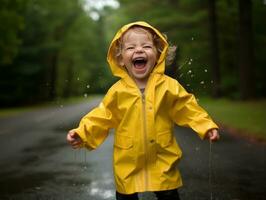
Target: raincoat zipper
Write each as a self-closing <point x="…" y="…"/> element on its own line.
<point x="145" y="141"/>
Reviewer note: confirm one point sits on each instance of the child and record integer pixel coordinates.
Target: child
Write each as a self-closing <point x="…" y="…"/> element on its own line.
<point x="142" y="108"/>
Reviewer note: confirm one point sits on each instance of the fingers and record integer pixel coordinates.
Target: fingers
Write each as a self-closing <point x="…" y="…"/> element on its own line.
<point x="213" y="135"/>
<point x="73" y="139"/>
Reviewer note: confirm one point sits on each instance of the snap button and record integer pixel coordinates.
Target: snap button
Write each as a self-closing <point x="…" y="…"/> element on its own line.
<point x="152" y="141"/>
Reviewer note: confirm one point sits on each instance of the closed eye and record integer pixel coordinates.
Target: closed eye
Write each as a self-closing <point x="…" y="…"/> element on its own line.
<point x="129" y="48"/>
<point x="147" y="47"/>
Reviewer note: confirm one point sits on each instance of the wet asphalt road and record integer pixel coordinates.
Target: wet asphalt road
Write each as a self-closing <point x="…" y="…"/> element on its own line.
<point x="37" y="163"/>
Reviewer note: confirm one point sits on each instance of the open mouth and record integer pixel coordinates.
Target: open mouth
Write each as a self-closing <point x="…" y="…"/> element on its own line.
<point x="139" y="63"/>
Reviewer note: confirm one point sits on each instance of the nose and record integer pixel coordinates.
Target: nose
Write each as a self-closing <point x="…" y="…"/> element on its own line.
<point x="139" y="49"/>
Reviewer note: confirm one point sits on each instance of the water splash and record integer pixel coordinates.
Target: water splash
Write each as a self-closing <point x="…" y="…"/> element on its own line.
<point x="210" y="170"/>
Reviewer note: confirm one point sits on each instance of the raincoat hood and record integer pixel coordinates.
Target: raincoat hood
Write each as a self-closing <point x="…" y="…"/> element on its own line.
<point x="120" y="71"/>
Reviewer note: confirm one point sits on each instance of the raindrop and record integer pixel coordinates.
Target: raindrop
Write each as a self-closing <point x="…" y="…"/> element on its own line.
<point x="210" y="170"/>
<point x="192" y="38"/>
<point x="180" y="75"/>
<point x="191" y="59"/>
<point x="88" y="86"/>
<point x="192" y="75"/>
<point x="78" y="78"/>
<point x="202" y="82"/>
<point x="189" y="62"/>
<point x="85" y="95"/>
<point x="189" y="72"/>
<point x="61" y="106"/>
<point x="205" y="70"/>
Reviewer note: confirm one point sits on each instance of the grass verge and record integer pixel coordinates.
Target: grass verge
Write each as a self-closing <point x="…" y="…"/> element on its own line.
<point x="5" y="112"/>
<point x="245" y="117"/>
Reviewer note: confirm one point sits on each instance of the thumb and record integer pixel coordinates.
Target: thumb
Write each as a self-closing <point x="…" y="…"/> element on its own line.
<point x="72" y="133"/>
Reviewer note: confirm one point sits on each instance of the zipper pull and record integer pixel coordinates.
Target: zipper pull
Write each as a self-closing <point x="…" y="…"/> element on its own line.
<point x="143" y="97"/>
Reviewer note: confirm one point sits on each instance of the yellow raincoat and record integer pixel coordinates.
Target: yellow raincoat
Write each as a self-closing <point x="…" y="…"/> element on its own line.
<point x="145" y="150"/>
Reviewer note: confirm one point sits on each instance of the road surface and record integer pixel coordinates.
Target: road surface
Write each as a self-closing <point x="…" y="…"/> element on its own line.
<point x="37" y="164"/>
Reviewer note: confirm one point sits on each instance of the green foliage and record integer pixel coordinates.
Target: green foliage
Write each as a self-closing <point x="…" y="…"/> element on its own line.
<point x="61" y="53"/>
<point x="11" y="23"/>
<point x="53" y="49"/>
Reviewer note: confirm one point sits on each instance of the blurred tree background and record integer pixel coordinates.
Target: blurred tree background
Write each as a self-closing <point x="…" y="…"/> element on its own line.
<point x="57" y="49"/>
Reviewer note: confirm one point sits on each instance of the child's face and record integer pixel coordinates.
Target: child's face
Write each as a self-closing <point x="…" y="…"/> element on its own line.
<point x="139" y="54"/>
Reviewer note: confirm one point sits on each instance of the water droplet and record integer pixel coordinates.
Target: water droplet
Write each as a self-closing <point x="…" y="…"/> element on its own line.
<point x="85" y="95"/>
<point x="205" y="70"/>
<point x="202" y="82"/>
<point x="211" y="81"/>
<point x="88" y="86"/>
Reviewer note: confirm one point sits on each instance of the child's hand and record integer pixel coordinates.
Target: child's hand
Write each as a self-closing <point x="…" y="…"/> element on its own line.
<point x="73" y="139"/>
<point x="213" y="135"/>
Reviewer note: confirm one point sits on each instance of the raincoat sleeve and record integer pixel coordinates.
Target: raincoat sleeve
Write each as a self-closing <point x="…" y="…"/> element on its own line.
<point x="94" y="127"/>
<point x="188" y="113"/>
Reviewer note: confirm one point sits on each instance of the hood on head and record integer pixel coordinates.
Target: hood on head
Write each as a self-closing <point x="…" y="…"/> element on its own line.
<point x="120" y="71"/>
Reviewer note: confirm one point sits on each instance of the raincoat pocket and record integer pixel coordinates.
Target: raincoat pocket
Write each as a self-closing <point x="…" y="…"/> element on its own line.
<point x="164" y="139"/>
<point x="123" y="141"/>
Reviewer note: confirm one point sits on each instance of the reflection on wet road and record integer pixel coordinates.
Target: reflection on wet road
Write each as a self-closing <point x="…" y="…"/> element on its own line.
<point x="37" y="163"/>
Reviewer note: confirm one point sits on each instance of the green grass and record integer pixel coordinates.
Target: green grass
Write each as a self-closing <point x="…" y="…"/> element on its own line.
<point x="248" y="117"/>
<point x="5" y="112"/>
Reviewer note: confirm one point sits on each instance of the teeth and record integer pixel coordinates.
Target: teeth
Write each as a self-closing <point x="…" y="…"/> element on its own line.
<point x="139" y="59"/>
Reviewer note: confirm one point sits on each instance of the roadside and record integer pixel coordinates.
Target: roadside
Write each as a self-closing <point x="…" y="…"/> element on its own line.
<point x="241" y="119"/>
<point x="8" y="112"/>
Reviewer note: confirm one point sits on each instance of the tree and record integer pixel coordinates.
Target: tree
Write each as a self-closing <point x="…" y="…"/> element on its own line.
<point x="246" y="51"/>
<point x="215" y="62"/>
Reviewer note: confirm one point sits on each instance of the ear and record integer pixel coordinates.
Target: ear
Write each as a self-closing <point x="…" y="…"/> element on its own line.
<point x="121" y="62"/>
